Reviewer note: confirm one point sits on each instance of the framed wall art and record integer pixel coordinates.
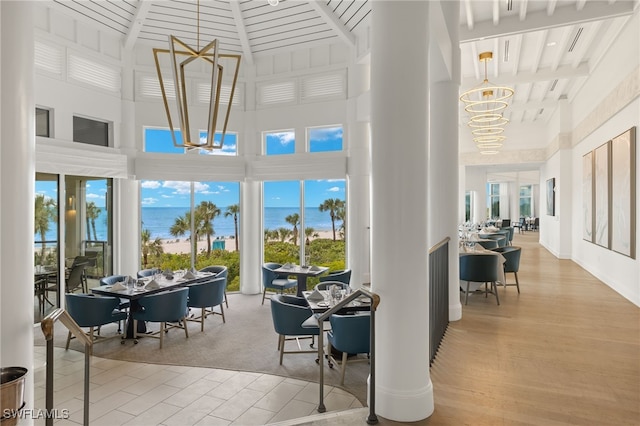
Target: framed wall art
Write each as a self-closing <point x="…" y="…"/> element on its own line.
<point x="601" y="196"/>
<point x="587" y="196"/>
<point x="551" y="197"/>
<point x="623" y="193"/>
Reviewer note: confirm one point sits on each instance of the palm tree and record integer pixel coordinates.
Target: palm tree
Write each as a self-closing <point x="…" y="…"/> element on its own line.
<point x="92" y="213"/>
<point x="294" y="219"/>
<point x="332" y="205"/>
<point x="206" y="212"/>
<point x="310" y="233"/>
<point x="45" y="211"/>
<point x="234" y="210"/>
<point x="341" y="214"/>
<point x="181" y="226"/>
<point x="149" y="247"/>
<point x="283" y="234"/>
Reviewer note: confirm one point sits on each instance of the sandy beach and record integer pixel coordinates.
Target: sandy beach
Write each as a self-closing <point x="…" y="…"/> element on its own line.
<point x="181" y="245"/>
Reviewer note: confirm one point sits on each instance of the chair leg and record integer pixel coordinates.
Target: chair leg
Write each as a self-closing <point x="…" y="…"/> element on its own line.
<point x="222" y="311"/>
<point x="264" y="293"/>
<point x="344" y="367"/>
<point x="68" y="341"/>
<point x="202" y="317"/>
<point x="517" y="282"/>
<point x="281" y="348"/>
<point x="225" y="298"/>
<point x="495" y="291"/>
<point x="162" y="331"/>
<point x="186" y="330"/>
<point x="466" y="294"/>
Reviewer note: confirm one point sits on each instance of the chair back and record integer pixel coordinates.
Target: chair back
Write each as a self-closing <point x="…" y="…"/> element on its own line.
<point x="112" y="279"/>
<point x="479" y="267"/>
<point x="506" y="223"/>
<point x="268" y="274"/>
<point x="219" y="270"/>
<point x="512" y="258"/>
<point x="74" y="282"/>
<point x="342" y="276"/>
<point x="488" y="244"/>
<point x="326" y="285"/>
<point x="501" y="239"/>
<point x="351" y="333"/>
<point x="148" y="272"/>
<point x="207" y="294"/>
<point x="90" y="311"/>
<point x="166" y="306"/>
<point x="288" y="314"/>
<point x="511" y="231"/>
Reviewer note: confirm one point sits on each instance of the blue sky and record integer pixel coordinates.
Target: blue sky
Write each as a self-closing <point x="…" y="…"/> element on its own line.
<point x="96" y="190"/>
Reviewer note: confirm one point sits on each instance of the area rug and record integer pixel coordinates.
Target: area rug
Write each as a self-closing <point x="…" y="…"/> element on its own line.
<point x="246" y="342"/>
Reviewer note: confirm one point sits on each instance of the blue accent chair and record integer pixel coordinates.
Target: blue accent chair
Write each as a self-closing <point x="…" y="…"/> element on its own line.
<point x="288" y="314"/>
<point x="488" y="243"/>
<point x="91" y="311"/>
<point x="480" y="268"/>
<point x="220" y="271"/>
<point x="166" y="307"/>
<point x="111" y="280"/>
<point x="274" y="281"/>
<point x="500" y="238"/>
<point x="342" y="276"/>
<point x="207" y="294"/>
<point x="512" y="262"/>
<point x="148" y="272"/>
<point x="349" y="334"/>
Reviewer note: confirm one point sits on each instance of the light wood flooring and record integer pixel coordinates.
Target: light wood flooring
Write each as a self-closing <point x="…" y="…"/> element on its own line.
<point x="565" y="351"/>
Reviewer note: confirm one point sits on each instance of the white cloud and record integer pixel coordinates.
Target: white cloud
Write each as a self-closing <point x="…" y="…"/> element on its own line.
<point x="179" y="187"/>
<point x="148" y="201"/>
<point x="200" y="187"/>
<point x="285" y="138"/>
<point x="95" y="196"/>
<point x="166" y="196"/>
<point x="334" y="189"/>
<point x="150" y="184"/>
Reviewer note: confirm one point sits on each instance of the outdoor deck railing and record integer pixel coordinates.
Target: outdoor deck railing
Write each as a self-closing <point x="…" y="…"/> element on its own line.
<point x="438" y="295"/>
<point x="375" y="301"/>
<point x="47" y="329"/>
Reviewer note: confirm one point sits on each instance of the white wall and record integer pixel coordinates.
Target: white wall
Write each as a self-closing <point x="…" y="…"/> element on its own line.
<point x="555" y="231"/>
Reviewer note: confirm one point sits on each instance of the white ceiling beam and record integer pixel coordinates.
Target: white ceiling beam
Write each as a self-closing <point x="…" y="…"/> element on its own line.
<point x="468" y="13"/>
<point x="561" y="47"/>
<point x="496" y="58"/>
<point x="580" y="4"/>
<point x="586" y="43"/>
<point x="523" y="10"/>
<point x="545" y="74"/>
<point x="536" y="21"/>
<point x="334" y="22"/>
<point x="551" y="7"/>
<point x="496" y="12"/>
<point x="542" y="41"/>
<point x="242" y="31"/>
<point x="532" y="105"/>
<point x="136" y="24"/>
<point x="515" y="53"/>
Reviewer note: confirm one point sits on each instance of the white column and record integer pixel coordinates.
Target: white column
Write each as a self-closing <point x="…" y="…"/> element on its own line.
<point x="17" y="172"/>
<point x="250" y="238"/>
<point x="358" y="175"/>
<point x="399" y="171"/>
<point x="127" y="191"/>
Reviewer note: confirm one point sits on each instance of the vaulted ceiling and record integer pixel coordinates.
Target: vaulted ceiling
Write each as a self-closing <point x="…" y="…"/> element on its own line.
<point x="544" y="49"/>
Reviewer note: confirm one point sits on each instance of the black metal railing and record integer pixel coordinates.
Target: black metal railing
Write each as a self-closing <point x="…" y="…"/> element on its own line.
<point x="375" y="301"/>
<point x="438" y="295"/>
<point x="47" y="329"/>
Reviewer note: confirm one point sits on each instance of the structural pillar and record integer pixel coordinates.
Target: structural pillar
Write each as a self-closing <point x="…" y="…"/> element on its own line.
<point x="399" y="219"/>
<point x="17" y="177"/>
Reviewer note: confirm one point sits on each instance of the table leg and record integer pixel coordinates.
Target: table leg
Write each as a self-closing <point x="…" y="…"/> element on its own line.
<point x="142" y="327"/>
<point x="302" y="285"/>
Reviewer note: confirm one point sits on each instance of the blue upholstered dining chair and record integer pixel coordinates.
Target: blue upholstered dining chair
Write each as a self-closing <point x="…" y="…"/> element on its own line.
<point x="325" y="285"/>
<point x="479" y="268"/>
<point x="219" y="271"/>
<point x="288" y="314"/>
<point x="274" y="281"/>
<point x="349" y="334"/>
<point x="148" y="272"/>
<point x="206" y="296"/>
<point x="342" y="276"/>
<point x="93" y="312"/>
<point x="111" y="280"/>
<point x="512" y="262"/>
<point x="488" y="243"/>
<point x="166" y="307"/>
<point x="500" y="238"/>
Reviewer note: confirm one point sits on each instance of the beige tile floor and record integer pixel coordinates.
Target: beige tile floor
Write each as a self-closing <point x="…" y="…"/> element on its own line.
<point x="128" y="393"/>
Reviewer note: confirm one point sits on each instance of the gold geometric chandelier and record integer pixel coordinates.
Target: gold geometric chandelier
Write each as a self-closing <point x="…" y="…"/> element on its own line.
<point x="181" y="55"/>
<point x="485" y="105"/>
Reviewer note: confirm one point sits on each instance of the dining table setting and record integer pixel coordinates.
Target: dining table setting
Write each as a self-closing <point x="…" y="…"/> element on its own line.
<point x="470" y="247"/>
<point x="301" y="272"/>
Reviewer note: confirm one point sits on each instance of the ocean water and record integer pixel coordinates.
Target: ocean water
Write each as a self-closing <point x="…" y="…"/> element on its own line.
<point x="158" y="221"/>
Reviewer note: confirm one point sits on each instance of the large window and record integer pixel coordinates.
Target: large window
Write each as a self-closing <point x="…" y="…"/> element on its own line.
<point x="323" y="139"/>
<point x="279" y="143"/>
<point x="46" y="247"/>
<point x="43" y="122"/>
<point x="171" y="239"/>
<point x="92" y="132"/>
<point x="305" y="229"/>
<point x="493" y="204"/>
<point x="160" y="140"/>
<point x="526" y="207"/>
<point x="467" y="206"/>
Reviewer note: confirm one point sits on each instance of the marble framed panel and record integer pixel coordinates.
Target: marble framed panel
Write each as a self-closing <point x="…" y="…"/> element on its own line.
<point x="587" y="196"/>
<point x="601" y="196"/>
<point x="551" y="197"/>
<point x="623" y="193"/>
